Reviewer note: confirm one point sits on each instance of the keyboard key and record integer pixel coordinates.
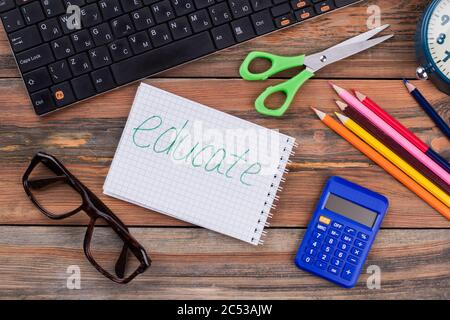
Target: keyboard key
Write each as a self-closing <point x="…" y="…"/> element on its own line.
<point x="307" y="259"/>
<point x="350" y="231"/>
<point x="32" y="13"/>
<point x="258" y="5"/>
<point x="337" y="225"/>
<point x="347" y="238"/>
<point x="311" y="252"/>
<point x="37" y="79"/>
<point x="200" y="21"/>
<point x="142" y="19"/>
<point x="348" y="272"/>
<point x="25" y="38"/>
<point x="79" y="3"/>
<point x="90" y="16"/>
<point x="242" y="29"/>
<point x="68" y="25"/>
<point x="120" y="49"/>
<point x="220" y="13"/>
<point x="280" y="9"/>
<point x="180" y="28"/>
<point x="337" y="262"/>
<point x="12" y="20"/>
<point x="327" y="249"/>
<point x="82" y="40"/>
<point x="83" y="87"/>
<point x="360" y="244"/>
<point x="321" y="265"/>
<point x="321" y="227"/>
<point x="333" y="270"/>
<point x="324" y="6"/>
<point x="240" y="8"/>
<point x="363" y="236"/>
<point x="160" y="35"/>
<point x="62" y="94"/>
<point x="52" y="7"/>
<point x="200" y="4"/>
<point x="315" y="243"/>
<point x="103" y="80"/>
<point x="101" y="34"/>
<point x="330" y="241"/>
<point x="139" y="42"/>
<point x="50" y="29"/>
<point x="42" y="101"/>
<point x="340" y="254"/>
<point x="334" y="233"/>
<point x="324" y="257"/>
<point x="59" y="71"/>
<point x="262" y="22"/>
<point x="162" y="11"/>
<point x="100" y="57"/>
<point x="122" y="26"/>
<point x="159" y="59"/>
<point x="79" y="64"/>
<point x="110" y="8"/>
<point x="6" y="5"/>
<point x="317" y="235"/>
<point x="183" y="7"/>
<point x="284" y="20"/>
<point x="130" y="5"/>
<point x="343" y="246"/>
<point x="34" y="58"/>
<point x="324" y="220"/>
<point x="300" y="4"/>
<point x="62" y="47"/>
<point x="356" y="252"/>
<point x="353" y="259"/>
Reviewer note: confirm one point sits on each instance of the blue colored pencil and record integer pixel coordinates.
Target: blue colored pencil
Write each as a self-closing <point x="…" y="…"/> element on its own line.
<point x="428" y="108"/>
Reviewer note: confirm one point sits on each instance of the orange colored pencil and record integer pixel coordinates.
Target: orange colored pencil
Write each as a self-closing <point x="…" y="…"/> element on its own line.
<point x="383" y="163"/>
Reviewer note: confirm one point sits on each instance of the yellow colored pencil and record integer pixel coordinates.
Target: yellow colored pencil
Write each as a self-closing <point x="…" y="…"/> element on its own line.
<point x="394" y="158"/>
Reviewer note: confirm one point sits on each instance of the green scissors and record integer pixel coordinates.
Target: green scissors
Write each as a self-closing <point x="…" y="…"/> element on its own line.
<point x="312" y="64"/>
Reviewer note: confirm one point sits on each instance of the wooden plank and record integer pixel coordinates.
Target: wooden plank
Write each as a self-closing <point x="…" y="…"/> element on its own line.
<point x="84" y="137"/>
<point x="195" y="263"/>
<point x="395" y="59"/>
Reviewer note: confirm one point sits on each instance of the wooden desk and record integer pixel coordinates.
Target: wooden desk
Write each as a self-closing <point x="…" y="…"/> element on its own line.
<point x="412" y="250"/>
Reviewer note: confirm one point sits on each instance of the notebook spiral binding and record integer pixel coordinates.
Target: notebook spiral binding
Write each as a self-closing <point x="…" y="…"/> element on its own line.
<point x="272" y="196"/>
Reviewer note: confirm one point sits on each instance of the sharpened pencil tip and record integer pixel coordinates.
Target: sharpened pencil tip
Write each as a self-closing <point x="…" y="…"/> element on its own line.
<point x="336" y="88"/>
<point x="341" y="105"/>
<point x="319" y="113"/>
<point x="405" y="81"/>
<point x="409" y="85"/>
<point x="360" y="96"/>
<point x="341" y="117"/>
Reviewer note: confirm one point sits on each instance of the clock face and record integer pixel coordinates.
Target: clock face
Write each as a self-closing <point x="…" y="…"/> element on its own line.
<point x="438" y="37"/>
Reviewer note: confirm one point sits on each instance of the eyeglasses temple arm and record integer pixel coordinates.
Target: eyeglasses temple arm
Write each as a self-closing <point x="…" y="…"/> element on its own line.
<point x="44" y="182"/>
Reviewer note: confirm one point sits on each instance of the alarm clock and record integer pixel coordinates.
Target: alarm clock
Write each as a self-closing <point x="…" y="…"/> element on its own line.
<point x="433" y="45"/>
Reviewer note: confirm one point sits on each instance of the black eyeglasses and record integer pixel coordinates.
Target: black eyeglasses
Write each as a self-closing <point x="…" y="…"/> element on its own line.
<point x="59" y="195"/>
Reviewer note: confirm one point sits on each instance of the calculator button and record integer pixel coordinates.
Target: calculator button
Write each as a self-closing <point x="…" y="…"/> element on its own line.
<point x="348" y="271"/>
<point x="353" y="259"/>
<point x="337" y="225"/>
<point x="324" y="257"/>
<point x="307" y="259"/>
<point x="347" y="239"/>
<point x="330" y="241"/>
<point x="327" y="249"/>
<point x="337" y="262"/>
<point x="321" y="265"/>
<point x="360" y="244"/>
<point x="340" y="254"/>
<point x="317" y="235"/>
<point x="311" y="252"/>
<point x="315" y="244"/>
<point x="324" y="220"/>
<point x="350" y="231"/>
<point x="333" y="270"/>
<point x="321" y="227"/>
<point x="343" y="246"/>
<point x="363" y="236"/>
<point x="356" y="252"/>
<point x="334" y="233"/>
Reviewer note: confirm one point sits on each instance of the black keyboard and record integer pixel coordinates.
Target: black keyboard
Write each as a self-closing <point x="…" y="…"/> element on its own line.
<point x="121" y="41"/>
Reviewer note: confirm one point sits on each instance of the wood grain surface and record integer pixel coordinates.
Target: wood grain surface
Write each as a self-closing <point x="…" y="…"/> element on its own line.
<point x="189" y="262"/>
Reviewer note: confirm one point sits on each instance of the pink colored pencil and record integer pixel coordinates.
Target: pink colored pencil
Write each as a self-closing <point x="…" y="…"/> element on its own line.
<point x="382" y="125"/>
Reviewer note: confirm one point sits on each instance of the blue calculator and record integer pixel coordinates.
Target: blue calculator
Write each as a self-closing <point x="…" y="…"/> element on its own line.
<point x="341" y="232"/>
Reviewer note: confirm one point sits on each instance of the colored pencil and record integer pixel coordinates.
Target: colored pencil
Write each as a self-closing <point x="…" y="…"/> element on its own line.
<point x="383" y="163"/>
<point x="393" y="145"/>
<point x="422" y="157"/>
<point x="394" y="158"/>
<point x="369" y="103"/>
<point x="426" y="106"/>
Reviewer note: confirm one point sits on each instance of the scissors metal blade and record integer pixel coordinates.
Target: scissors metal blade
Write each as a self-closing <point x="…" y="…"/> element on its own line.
<point x="363" y="36"/>
<point x="339" y="52"/>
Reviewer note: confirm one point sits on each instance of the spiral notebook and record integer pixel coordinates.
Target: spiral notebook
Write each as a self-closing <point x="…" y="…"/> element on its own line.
<point x="197" y="164"/>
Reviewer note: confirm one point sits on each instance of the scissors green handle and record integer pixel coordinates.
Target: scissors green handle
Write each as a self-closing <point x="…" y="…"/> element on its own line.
<point x="288" y="88"/>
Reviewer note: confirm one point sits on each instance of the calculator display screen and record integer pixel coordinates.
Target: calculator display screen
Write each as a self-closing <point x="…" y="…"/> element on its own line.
<point x="350" y="210"/>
